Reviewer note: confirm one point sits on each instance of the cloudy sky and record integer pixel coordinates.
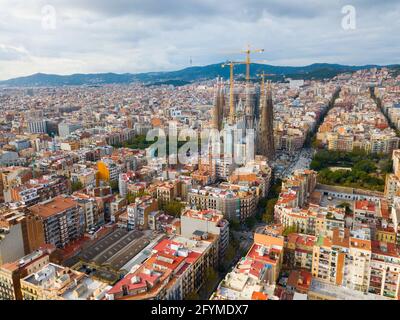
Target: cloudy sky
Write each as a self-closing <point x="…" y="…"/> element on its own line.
<point x="82" y="36"/>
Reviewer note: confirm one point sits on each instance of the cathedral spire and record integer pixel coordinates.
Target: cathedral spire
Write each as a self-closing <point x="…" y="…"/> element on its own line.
<point x="249" y="108"/>
<point x="219" y="105"/>
<point x="266" y="131"/>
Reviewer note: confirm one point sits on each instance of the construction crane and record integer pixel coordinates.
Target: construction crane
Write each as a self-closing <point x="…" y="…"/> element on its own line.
<point x="231" y="65"/>
<point x="248" y="52"/>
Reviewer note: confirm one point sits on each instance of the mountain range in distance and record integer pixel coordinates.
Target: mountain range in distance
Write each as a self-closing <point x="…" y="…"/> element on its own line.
<point x="316" y="71"/>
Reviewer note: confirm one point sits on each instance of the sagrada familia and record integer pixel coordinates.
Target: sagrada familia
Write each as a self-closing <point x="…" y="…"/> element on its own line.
<point x="250" y="109"/>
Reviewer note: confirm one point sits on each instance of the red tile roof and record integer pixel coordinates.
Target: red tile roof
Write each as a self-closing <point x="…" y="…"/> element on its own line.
<point x="365" y="205"/>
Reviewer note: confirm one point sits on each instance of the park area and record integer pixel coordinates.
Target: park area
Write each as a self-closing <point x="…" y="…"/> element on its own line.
<point x="355" y="169"/>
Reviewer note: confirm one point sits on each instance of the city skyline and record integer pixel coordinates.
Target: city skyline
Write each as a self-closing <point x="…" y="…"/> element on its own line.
<point x="62" y="37"/>
<point x="171" y="150"/>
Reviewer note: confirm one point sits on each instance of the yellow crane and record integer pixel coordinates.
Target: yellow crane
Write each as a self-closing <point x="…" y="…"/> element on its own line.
<point x="231" y="65"/>
<point x="248" y="52"/>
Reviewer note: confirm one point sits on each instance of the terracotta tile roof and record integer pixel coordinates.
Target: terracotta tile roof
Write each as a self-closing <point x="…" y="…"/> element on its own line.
<point x="53" y="207"/>
<point x="365" y="205"/>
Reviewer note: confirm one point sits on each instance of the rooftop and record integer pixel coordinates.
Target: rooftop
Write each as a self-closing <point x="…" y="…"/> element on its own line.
<point x="365" y="205"/>
<point x="207" y="215"/>
<point x="52" y="207"/>
<point x="341" y="293"/>
<point x="116" y="249"/>
<point x="64" y="283"/>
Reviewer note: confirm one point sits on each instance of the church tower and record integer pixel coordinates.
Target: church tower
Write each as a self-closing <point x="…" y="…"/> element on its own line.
<point x="219" y="106"/>
<point x="249" y="108"/>
<point x="266" y="129"/>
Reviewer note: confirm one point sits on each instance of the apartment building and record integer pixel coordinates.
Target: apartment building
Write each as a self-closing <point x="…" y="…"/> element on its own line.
<point x="33" y="233"/>
<point x="93" y="213"/>
<point x="65" y="129"/>
<point x="382" y="143"/>
<point x="107" y="170"/>
<point x="13" y="176"/>
<point x="354" y="262"/>
<point x="385" y="270"/>
<point x="301" y="184"/>
<point x="37" y="126"/>
<point x="246" y="282"/>
<point x="86" y="176"/>
<point x="62" y="220"/>
<point x="208" y="221"/>
<point x="343" y="259"/>
<point x="139" y="211"/>
<point x="124" y="179"/>
<point x="320" y="290"/>
<point x="358" y="260"/>
<point x="233" y="202"/>
<point x="177" y="268"/>
<point x="395" y="216"/>
<point x="224" y="167"/>
<point x="12" y="244"/>
<point x="168" y="191"/>
<point x="216" y="199"/>
<point x="392" y="183"/>
<point x="268" y="249"/>
<point x="37" y="190"/>
<point x="55" y="282"/>
<point x="329" y="257"/>
<point x="340" y="142"/>
<point x="256" y="173"/>
<point x="11" y="273"/>
<point x="299" y="250"/>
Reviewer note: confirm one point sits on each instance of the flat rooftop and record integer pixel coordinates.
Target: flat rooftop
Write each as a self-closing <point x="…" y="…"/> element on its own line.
<point x="87" y="288"/>
<point x="116" y="249"/>
<point x="341" y="293"/>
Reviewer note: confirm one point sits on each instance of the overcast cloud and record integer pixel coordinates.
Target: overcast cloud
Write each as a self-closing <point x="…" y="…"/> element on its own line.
<point x="156" y="35"/>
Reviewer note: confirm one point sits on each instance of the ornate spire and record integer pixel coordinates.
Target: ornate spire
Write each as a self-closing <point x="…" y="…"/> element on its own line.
<point x="249" y="108"/>
<point x="266" y="131"/>
<point x="219" y="105"/>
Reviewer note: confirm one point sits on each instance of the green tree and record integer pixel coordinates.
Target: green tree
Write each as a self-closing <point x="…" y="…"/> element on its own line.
<point x="137" y="142"/>
<point x="289" y="230"/>
<point x="77" y="185"/>
<point x="315" y="143"/>
<point x="130" y="197"/>
<point x="114" y="185"/>
<point x="268" y="216"/>
<point x="211" y="279"/>
<point x="275" y="189"/>
<point x="347" y="207"/>
<point x="230" y="254"/>
<point x="250" y="222"/>
<point x="173" y="208"/>
<point x="367" y="166"/>
<point x="315" y="165"/>
<point x="234" y="225"/>
<point x="387" y="166"/>
<point x="262" y="203"/>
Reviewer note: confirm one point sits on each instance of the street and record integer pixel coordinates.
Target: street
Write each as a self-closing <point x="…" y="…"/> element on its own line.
<point x="302" y="161"/>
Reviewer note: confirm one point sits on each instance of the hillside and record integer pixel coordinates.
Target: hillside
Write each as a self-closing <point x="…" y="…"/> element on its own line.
<point x="187" y="75"/>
